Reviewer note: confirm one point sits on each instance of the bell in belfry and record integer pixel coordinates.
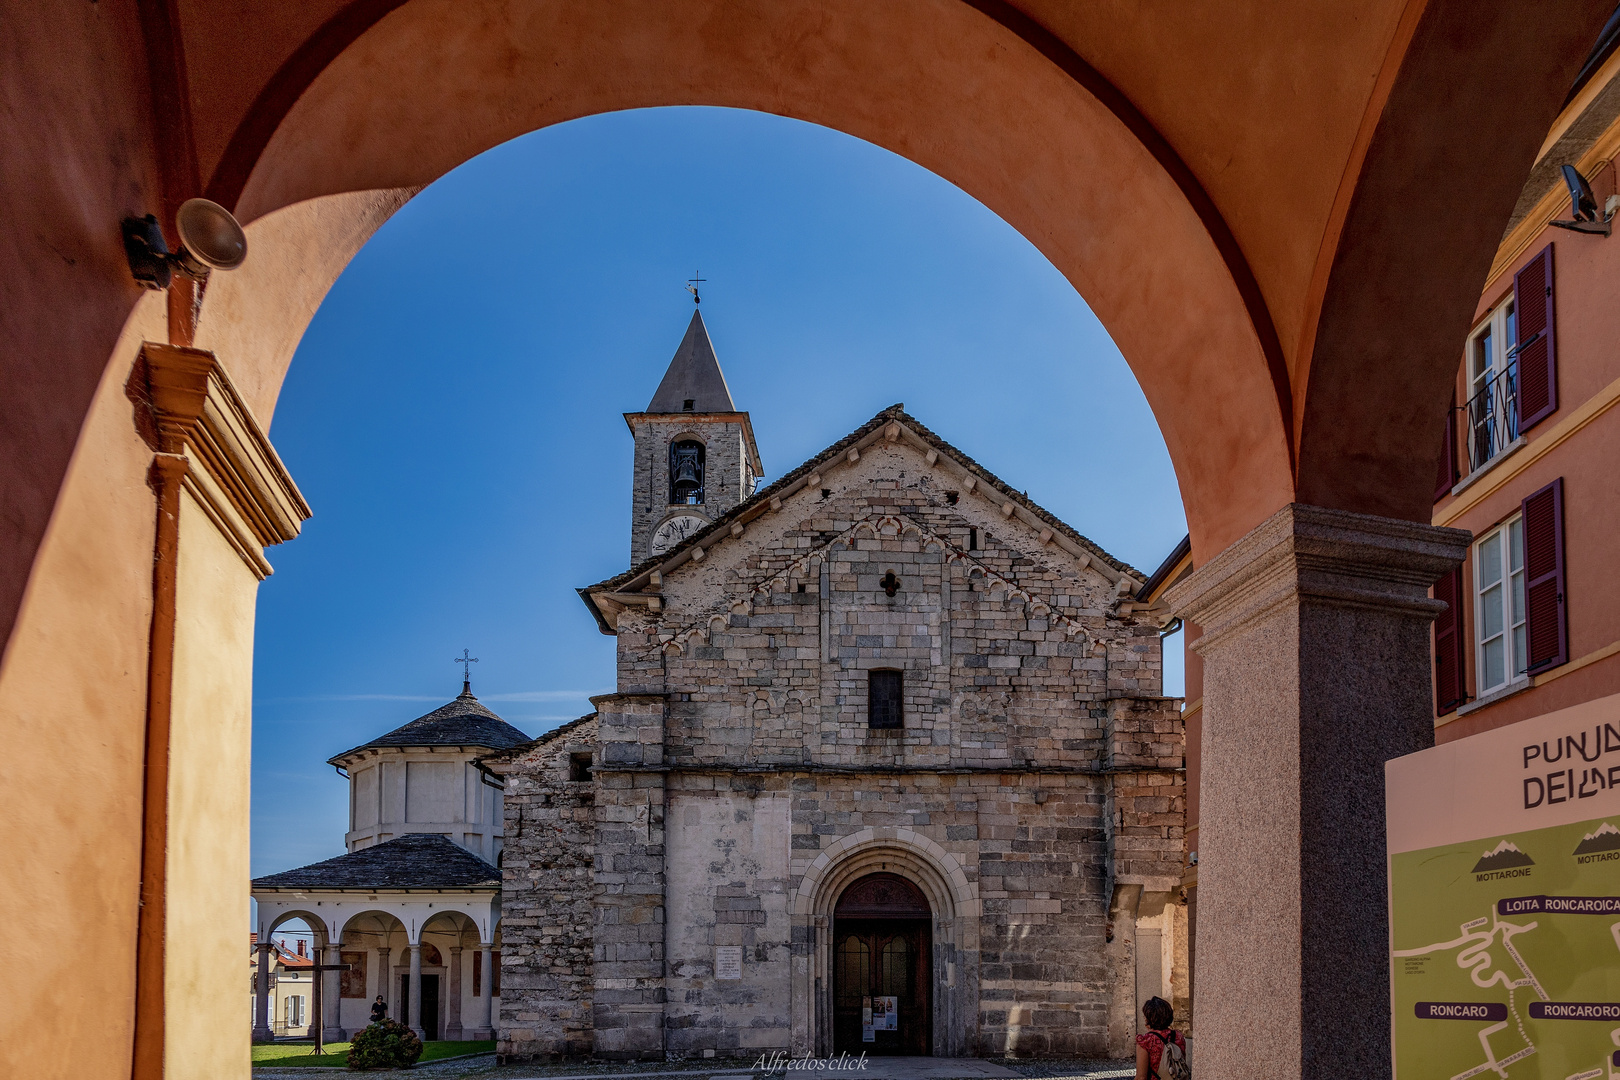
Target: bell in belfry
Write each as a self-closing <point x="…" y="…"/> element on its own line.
<point x="686" y="472"/>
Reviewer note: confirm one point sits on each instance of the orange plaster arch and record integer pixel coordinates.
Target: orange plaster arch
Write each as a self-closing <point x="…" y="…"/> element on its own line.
<point x="1033" y="132"/>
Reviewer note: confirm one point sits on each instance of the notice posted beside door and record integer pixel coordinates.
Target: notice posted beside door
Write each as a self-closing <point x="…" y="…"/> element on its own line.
<point x="866" y="1021"/>
<point x="885" y="1013"/>
<point x="1504" y="897"/>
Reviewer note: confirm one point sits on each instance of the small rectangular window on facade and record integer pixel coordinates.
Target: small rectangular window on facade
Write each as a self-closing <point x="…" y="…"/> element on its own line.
<point x="885" y="699"/>
<point x="1499" y="612"/>
<point x="579" y="767"/>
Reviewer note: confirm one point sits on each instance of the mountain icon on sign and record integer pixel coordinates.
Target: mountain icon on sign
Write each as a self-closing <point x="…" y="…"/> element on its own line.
<point x="1501" y="857"/>
<point x="1607" y="838"/>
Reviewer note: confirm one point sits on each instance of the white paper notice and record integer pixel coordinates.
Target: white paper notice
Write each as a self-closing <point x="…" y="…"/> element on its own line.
<point x="728" y="961"/>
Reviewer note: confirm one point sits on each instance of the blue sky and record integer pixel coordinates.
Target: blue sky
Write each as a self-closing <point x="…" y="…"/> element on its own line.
<point x="453" y="414"/>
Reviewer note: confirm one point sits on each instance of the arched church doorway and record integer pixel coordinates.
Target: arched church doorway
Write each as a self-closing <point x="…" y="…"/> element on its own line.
<point x="882" y="968"/>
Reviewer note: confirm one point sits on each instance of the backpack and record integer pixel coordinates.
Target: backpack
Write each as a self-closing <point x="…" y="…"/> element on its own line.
<point x="1174" y="1059"/>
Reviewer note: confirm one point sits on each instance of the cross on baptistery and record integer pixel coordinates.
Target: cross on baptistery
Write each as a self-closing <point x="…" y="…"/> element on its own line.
<point x="465" y="660"/>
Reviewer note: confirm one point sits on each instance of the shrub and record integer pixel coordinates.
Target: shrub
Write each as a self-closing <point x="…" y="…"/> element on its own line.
<point x="387" y="1044"/>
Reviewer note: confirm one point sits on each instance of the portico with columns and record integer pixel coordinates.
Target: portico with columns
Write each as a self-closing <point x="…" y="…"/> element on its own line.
<point x="413" y="907"/>
<point x="393" y="940"/>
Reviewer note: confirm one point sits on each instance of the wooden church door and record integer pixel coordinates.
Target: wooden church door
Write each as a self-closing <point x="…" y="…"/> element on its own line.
<point x="882" y="968"/>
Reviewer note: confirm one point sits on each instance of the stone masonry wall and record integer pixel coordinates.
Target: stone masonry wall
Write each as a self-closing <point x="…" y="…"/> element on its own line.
<point x="547" y="900"/>
<point x="725" y="480"/>
<point x="1036" y="755"/>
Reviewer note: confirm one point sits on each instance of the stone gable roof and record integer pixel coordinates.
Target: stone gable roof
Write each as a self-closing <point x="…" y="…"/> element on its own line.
<point x="412" y="861"/>
<point x="982" y="480"/>
<point x="463" y="722"/>
<point x="511" y="753"/>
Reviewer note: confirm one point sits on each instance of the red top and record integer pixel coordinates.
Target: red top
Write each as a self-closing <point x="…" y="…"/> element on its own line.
<point x="1153" y="1043"/>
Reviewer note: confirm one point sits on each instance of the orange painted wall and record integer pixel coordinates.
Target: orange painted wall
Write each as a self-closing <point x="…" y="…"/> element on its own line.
<point x="1586" y="277"/>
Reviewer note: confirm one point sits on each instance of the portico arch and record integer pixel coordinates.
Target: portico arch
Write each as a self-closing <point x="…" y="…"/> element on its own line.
<point x="953" y="900"/>
<point x="1235" y="192"/>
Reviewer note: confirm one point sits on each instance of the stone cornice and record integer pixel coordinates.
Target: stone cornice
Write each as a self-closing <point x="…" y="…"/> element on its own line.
<point x="1312" y="555"/>
<point x="231" y="470"/>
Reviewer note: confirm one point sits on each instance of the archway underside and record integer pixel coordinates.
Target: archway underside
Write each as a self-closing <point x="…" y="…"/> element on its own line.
<point x="1326" y="139"/>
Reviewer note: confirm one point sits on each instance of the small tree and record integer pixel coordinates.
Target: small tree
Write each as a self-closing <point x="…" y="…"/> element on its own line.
<point x="387" y="1044"/>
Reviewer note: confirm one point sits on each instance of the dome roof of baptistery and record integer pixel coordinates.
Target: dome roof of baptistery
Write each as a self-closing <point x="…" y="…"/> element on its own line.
<point x="463" y="722"/>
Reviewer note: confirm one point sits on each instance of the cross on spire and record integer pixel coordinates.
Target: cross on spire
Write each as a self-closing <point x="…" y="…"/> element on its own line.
<point x="692" y="284"/>
<point x="466" y="660"/>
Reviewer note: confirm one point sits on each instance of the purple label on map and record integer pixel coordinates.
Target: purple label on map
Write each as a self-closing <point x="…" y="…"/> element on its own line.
<point x="1575" y="1010"/>
<point x="1559" y="905"/>
<point x="1461" y="1010"/>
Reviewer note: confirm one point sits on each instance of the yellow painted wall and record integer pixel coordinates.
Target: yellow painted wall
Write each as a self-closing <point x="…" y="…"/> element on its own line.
<point x="210" y="758"/>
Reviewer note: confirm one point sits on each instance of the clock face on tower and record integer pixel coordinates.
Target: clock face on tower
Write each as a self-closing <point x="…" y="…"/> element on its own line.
<point x="673" y="531"/>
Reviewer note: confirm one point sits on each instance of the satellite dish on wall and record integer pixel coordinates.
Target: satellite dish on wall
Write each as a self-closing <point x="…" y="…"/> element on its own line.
<point x="210" y="238"/>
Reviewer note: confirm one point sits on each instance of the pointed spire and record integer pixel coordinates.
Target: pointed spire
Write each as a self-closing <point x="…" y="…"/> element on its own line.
<point x="693" y="376"/>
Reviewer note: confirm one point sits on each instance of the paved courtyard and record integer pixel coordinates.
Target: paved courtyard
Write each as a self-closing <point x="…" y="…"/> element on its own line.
<point x="483" y="1067"/>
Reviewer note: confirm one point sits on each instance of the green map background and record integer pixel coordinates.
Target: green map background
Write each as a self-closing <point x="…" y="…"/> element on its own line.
<point x="1434" y="892"/>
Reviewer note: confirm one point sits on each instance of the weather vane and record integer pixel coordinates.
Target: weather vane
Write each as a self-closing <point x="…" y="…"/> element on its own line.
<point x="692" y="284"/>
<point x="466" y="661"/>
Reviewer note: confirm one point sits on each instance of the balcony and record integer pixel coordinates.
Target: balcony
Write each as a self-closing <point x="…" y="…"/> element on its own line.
<point x="1491" y="419"/>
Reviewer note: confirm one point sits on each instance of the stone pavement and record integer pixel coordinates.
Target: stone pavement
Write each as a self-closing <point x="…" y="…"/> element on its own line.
<point x="483" y="1067"/>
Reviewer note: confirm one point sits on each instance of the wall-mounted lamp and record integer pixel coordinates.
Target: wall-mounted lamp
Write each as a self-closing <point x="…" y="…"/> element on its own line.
<point x="210" y="239"/>
<point x="1583" y="206"/>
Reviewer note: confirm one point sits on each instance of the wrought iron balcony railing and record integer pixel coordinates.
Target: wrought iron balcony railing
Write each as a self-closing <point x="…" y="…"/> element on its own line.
<point x="1492" y="417"/>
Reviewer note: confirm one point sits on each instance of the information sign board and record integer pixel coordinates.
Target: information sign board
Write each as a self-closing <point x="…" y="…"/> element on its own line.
<point x="1504" y="899"/>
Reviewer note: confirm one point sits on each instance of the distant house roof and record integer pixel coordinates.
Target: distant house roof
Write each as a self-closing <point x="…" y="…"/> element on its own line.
<point x="463" y="722"/>
<point x="413" y="861"/>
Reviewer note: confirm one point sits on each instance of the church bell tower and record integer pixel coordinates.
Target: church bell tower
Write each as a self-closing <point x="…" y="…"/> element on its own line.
<point x="695" y="453"/>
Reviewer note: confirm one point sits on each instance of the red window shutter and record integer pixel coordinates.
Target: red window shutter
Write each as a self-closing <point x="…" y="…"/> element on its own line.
<point x="1536" y="344"/>
<point x="1448" y="454"/>
<point x="1546" y="619"/>
<point x="1450" y="650"/>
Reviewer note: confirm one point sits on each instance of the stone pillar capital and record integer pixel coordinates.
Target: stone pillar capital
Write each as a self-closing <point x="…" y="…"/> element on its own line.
<point x="1311" y="555"/>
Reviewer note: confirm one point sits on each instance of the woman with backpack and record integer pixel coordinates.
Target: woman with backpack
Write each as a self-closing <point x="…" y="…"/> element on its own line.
<point x="1161" y="1052"/>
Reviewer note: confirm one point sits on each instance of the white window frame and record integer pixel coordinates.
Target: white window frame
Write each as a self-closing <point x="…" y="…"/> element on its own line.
<point x="1496" y="571"/>
<point x="1498" y="327"/>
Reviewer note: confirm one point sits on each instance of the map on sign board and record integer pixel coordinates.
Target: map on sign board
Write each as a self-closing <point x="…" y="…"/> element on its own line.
<point x="1505" y="944"/>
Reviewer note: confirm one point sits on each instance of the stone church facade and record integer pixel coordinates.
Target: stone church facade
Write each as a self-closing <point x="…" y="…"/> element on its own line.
<point x="888" y="769"/>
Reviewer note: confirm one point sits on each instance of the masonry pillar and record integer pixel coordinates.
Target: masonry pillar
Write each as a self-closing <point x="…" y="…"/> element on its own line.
<point x="385" y="976"/>
<point x="220" y="496"/>
<point x="485" y="1007"/>
<point x="413" y="1008"/>
<point x="1316" y="671"/>
<point x="262" y="1032"/>
<point x="452" y="1027"/>
<point x="628" y="996"/>
<point x="332" y="997"/>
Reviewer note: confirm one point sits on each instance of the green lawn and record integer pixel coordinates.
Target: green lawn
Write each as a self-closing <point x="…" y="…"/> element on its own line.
<point x="297" y="1055"/>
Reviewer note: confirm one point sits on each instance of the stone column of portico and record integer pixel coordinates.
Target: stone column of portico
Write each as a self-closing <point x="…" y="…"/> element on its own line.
<point x="485" y="1009"/>
<point x="385" y="977"/>
<point x="262" y="1032"/>
<point x="332" y="997"/>
<point x="414" y="1009"/>
<point x="1316" y="672"/>
<point x="452" y="1027"/>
